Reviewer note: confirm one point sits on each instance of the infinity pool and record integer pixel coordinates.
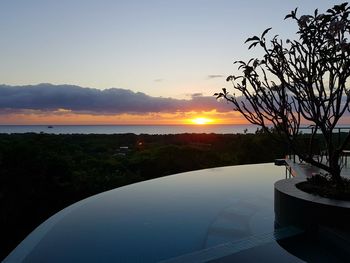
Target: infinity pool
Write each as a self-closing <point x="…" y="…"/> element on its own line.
<point x="222" y="214"/>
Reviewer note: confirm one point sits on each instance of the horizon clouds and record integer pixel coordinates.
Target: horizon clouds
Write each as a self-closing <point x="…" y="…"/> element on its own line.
<point x="70" y="98"/>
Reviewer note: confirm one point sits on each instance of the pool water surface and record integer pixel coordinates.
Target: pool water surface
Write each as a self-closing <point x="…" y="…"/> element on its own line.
<point x="222" y="215"/>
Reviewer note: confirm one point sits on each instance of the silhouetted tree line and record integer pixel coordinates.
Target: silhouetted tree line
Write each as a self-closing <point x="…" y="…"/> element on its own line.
<point x="41" y="174"/>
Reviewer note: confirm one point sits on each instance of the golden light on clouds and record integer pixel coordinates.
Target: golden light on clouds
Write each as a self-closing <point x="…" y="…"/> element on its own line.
<point x="67" y="117"/>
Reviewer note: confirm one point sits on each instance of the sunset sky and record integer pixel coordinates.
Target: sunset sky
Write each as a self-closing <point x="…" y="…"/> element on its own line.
<point x="128" y="62"/>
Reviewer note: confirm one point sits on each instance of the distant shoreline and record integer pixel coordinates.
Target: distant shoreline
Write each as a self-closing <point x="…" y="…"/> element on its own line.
<point x="199" y="125"/>
<point x="141" y="129"/>
<point x="136" y="129"/>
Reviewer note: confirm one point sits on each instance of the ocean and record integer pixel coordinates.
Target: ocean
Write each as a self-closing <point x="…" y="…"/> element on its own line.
<point x="142" y="129"/>
<point x="136" y="129"/>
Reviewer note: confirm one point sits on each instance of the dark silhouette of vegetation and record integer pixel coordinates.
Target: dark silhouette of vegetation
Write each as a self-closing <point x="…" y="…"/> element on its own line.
<point x="300" y="80"/>
<point x="322" y="185"/>
<point x="41" y="174"/>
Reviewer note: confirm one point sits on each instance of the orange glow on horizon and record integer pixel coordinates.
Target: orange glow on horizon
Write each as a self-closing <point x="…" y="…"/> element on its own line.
<point x="65" y="117"/>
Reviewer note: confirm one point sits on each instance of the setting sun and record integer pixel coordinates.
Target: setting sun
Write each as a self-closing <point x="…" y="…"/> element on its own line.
<point x="201" y="120"/>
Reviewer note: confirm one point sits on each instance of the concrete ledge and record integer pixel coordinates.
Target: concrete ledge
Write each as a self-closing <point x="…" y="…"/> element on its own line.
<point x="298" y="208"/>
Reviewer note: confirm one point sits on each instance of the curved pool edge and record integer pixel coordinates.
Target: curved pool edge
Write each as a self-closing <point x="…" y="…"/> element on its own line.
<point x="19" y="253"/>
<point x="208" y="195"/>
<point x="29" y="242"/>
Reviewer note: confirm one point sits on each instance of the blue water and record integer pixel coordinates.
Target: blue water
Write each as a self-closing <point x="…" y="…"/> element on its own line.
<point x="141" y="129"/>
<point x="221" y="214"/>
<point x="159" y="219"/>
<point x="137" y="129"/>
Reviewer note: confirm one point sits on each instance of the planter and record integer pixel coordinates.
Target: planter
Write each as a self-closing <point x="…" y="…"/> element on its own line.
<point x="308" y="211"/>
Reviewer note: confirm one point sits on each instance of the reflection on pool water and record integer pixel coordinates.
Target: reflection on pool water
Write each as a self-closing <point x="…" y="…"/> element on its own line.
<point x="178" y="218"/>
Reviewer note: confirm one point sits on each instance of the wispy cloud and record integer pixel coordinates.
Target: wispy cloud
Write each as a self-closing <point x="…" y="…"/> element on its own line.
<point x="214" y="76"/>
<point x="196" y="95"/>
<point x="69" y="98"/>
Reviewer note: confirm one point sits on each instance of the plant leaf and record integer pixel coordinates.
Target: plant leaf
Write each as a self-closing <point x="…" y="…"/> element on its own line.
<point x="288" y="16"/>
<point x="252" y="39"/>
<point x="253" y="45"/>
<point x="343" y="5"/>
<point x="265" y="32"/>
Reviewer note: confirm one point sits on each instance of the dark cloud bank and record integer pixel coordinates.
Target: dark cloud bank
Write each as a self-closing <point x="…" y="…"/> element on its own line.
<point x="48" y="97"/>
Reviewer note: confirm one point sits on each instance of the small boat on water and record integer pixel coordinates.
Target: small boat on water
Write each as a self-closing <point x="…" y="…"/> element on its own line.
<point x="49" y="127"/>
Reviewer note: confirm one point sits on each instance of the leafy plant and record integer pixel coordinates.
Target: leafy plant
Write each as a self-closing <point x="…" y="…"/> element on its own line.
<point x="299" y="80"/>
